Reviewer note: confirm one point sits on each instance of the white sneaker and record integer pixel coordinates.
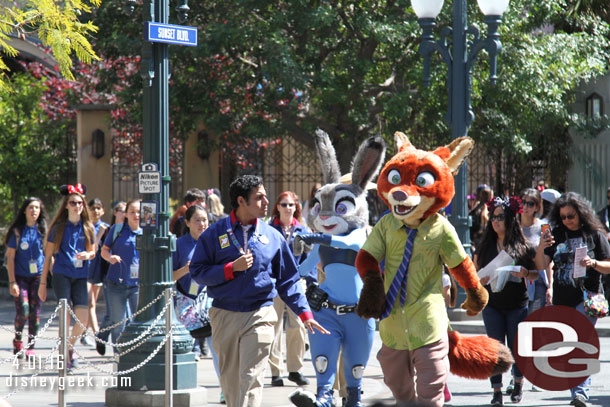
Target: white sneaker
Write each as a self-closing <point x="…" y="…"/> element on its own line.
<point x="87" y="341"/>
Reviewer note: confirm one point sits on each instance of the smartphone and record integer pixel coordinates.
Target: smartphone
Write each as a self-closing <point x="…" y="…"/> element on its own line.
<point x="546" y="229"/>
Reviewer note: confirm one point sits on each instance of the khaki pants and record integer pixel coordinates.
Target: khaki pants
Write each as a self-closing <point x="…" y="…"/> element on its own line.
<point x="242" y="341"/>
<point x="295" y="340"/>
<point x="399" y="368"/>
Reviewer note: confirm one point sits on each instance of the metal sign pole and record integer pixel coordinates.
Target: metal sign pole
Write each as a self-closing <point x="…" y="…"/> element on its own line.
<point x="63" y="351"/>
<point x="169" y="368"/>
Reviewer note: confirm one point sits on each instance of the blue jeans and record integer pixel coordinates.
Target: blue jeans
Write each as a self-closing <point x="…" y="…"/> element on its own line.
<point x="122" y="301"/>
<point x="106" y="319"/>
<point x="502" y="325"/>
<point x="583" y="388"/>
<point x="538" y="300"/>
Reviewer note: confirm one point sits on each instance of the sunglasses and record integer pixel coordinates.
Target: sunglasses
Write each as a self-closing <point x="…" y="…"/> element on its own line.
<point x="529" y="204"/>
<point x="569" y="217"/>
<point x="286" y="205"/>
<point x="499" y="218"/>
<point x="608" y="197"/>
<point x="75" y="203"/>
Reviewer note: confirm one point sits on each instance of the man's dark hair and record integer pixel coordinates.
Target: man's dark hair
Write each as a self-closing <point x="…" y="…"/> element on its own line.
<point x="243" y="186"/>
<point x="194" y="194"/>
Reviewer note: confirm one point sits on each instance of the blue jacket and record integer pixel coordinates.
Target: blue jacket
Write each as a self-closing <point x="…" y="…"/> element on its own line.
<point x="125" y="247"/>
<point x="273" y="271"/>
<point x="298" y="229"/>
<point x="185" y="247"/>
<point x="30" y="248"/>
<point x="72" y="242"/>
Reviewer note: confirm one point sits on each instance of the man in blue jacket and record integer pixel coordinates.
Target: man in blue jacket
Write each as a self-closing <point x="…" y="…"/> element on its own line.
<point x="245" y="263"/>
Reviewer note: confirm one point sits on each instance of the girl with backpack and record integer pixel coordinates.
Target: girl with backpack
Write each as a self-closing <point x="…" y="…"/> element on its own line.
<point x="122" y="279"/>
<point x="71" y="246"/>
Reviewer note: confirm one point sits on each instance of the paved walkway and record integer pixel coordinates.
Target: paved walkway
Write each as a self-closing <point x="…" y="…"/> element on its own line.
<point x="466" y="392"/>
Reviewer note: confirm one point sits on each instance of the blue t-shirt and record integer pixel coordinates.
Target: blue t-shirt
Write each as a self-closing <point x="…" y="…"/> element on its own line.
<point x="185" y="246"/>
<point x="29" y="250"/>
<point x="98" y="224"/>
<point x="72" y="242"/>
<point x="127" y="270"/>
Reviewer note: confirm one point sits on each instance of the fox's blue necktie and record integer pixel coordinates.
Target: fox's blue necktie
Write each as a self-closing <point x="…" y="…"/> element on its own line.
<point x="400" y="279"/>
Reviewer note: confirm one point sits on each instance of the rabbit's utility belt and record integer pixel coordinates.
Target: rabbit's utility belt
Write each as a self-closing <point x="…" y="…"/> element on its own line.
<point x="318" y="299"/>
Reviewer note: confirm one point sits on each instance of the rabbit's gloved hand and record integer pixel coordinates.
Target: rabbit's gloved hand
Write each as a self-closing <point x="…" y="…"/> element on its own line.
<point x="299" y="246"/>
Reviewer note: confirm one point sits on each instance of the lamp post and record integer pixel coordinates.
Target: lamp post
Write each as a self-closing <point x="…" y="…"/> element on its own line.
<point x="460" y="55"/>
<point x="155" y="245"/>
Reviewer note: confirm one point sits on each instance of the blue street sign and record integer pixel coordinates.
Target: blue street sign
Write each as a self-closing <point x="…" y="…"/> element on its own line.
<point x="172" y="34"/>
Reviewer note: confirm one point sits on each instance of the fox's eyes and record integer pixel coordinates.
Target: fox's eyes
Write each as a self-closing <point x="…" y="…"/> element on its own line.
<point x="394" y="177"/>
<point x="425" y="179"/>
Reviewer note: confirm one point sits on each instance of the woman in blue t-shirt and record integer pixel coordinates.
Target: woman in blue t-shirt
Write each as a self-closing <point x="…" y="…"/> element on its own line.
<point x="122" y="279"/>
<point x="24" y="260"/>
<point x="71" y="246"/>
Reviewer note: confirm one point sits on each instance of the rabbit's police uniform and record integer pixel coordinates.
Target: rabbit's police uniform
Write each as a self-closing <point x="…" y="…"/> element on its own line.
<point x="242" y="314"/>
<point x="350" y="334"/>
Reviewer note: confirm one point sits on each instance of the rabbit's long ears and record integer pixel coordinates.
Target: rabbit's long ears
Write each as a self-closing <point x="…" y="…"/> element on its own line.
<point x="328" y="158"/>
<point x="368" y="160"/>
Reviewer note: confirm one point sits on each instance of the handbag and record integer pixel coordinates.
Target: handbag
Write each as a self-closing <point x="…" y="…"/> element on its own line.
<point x="596" y="304"/>
<point x="194" y="314"/>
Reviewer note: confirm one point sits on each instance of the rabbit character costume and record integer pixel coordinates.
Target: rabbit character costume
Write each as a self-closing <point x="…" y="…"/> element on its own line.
<point x="340" y="213"/>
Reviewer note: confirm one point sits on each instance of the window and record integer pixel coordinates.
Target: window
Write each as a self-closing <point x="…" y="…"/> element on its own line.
<point x="595" y="106"/>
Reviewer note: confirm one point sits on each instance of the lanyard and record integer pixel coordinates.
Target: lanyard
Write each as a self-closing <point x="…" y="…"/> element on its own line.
<point x="234" y="239"/>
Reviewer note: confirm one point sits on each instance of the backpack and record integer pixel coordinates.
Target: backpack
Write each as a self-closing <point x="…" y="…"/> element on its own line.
<point x="98" y="268"/>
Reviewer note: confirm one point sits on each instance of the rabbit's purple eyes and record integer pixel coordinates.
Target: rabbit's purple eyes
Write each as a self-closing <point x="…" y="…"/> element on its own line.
<point x="341" y="209"/>
<point x="316" y="209"/>
<point x="345" y="206"/>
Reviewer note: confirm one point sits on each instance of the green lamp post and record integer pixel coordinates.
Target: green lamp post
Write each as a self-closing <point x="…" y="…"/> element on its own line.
<point x="460" y="54"/>
<point x="156" y="244"/>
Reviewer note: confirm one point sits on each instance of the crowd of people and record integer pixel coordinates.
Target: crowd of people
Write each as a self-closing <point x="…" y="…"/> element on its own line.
<point x="81" y="255"/>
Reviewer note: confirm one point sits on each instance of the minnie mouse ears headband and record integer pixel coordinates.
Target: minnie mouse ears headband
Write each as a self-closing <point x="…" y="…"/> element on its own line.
<point x="73" y="189"/>
<point x="513" y="204"/>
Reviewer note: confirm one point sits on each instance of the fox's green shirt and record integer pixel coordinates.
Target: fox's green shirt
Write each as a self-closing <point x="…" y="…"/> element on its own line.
<point x="423" y="319"/>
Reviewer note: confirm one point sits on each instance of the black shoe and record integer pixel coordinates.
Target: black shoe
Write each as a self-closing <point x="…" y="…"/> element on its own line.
<point x="276" y="381"/>
<point x="298" y="378"/>
<point x="579" y="401"/>
<point x="517" y="393"/>
<point x="100" y="348"/>
<point x="497" y="399"/>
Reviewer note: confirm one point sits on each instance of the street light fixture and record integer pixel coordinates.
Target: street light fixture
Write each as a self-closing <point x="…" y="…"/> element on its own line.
<point x="460" y="54"/>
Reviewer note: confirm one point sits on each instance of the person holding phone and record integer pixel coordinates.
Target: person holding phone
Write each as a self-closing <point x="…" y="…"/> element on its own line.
<point x="577" y="226"/>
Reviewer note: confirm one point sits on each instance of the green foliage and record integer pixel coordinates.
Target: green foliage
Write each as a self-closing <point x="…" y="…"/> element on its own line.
<point x="269" y="68"/>
<point x="57" y="25"/>
<point x="33" y="149"/>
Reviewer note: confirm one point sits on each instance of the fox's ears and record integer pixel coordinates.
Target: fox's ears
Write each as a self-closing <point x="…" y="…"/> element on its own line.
<point x="453" y="154"/>
<point x="459" y="150"/>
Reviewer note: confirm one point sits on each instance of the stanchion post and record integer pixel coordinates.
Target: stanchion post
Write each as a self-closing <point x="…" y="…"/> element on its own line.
<point x="63" y="351"/>
<point x="169" y="368"/>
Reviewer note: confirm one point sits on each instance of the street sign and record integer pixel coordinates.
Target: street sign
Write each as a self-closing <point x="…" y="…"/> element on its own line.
<point x="149" y="179"/>
<point x="172" y="34"/>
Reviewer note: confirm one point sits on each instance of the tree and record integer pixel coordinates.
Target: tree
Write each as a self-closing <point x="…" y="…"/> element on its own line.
<point x="266" y="69"/>
<point x="56" y="24"/>
<point x="35" y="153"/>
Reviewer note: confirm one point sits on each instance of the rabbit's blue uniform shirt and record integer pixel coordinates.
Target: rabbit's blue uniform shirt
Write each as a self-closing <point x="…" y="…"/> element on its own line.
<point x="273" y="271"/>
<point x="343" y="285"/>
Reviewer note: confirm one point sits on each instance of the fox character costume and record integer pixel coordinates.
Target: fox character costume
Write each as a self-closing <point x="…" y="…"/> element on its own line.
<point x="414" y="240"/>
